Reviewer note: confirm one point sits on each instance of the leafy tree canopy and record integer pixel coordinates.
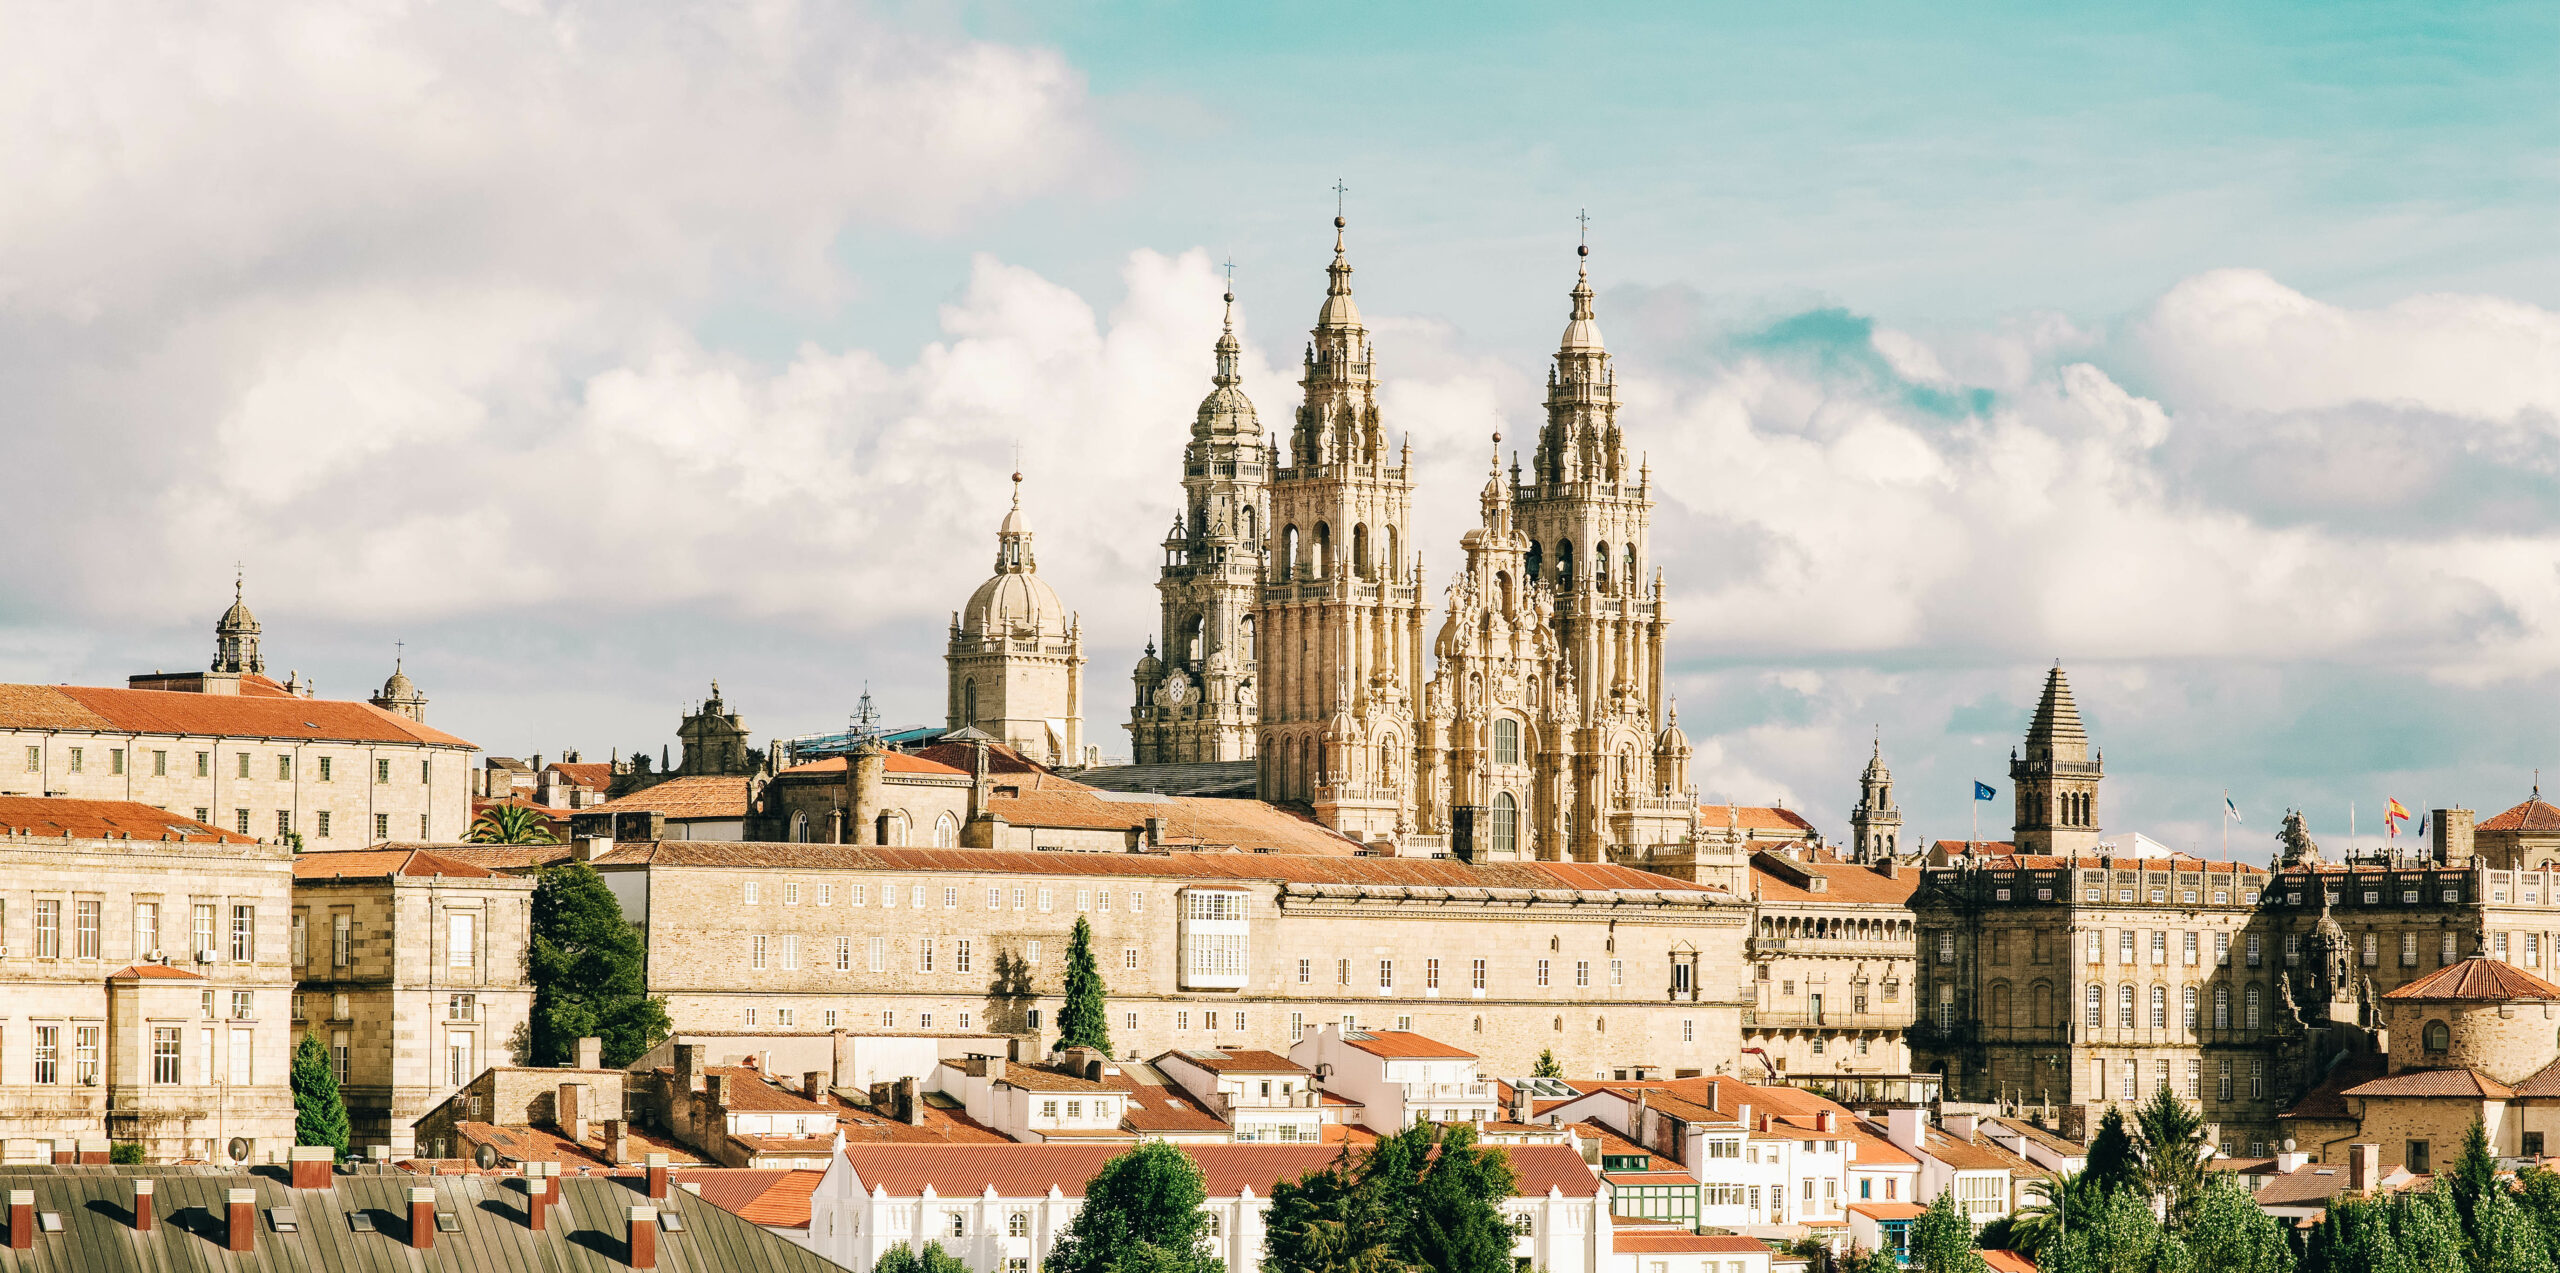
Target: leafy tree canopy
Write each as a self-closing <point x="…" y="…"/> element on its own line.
<point x="587" y="967"/>
<point x="1141" y="1214"/>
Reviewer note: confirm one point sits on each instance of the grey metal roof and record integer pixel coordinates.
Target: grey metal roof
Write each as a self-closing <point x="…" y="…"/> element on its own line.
<point x="586" y="1234"/>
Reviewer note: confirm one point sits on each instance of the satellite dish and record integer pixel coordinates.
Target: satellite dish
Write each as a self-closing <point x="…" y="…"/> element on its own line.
<point x="239" y="1149"/>
<point x="487" y="1158"/>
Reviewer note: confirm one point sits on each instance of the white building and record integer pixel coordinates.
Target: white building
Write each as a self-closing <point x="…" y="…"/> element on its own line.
<point x="1034" y="1104"/>
<point x="1266" y="1097"/>
<point x="1398" y="1077"/>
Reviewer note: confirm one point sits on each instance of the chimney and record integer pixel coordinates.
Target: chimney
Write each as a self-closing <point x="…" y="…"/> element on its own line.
<point x="591" y="1053"/>
<point x="910" y="1102"/>
<point x="617" y="1142"/>
<point x="813" y="1084"/>
<point x="1905" y="1128"/>
<point x="718" y="1091"/>
<point x="569" y="1113"/>
<point x="240" y="1228"/>
<point x="978" y="1066"/>
<point x="2364" y="1167"/>
<point x="657" y="1178"/>
<point x="311" y="1164"/>
<point x="1961" y="1126"/>
<point x="537" y="1200"/>
<point x="688" y="1067"/>
<point x="93" y="1152"/>
<point x="1521" y="1108"/>
<point x="643" y="1252"/>
<point x="1889" y="869"/>
<point x="422" y="1217"/>
<point x="22" y="1219"/>
<point x="587" y="848"/>
<point x="142" y="1206"/>
<point x="1635" y="1120"/>
<point x="1744" y="1117"/>
<point x="1822" y="1121"/>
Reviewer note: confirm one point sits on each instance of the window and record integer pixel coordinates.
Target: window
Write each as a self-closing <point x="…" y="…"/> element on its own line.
<point x="858" y="894"/>
<point x="2257" y="1078"/>
<point x="783" y="1016"/>
<point x="2097" y="1006"/>
<point x="2159" y="1007"/>
<point x="950" y="898"/>
<point x="462" y="944"/>
<point x="924" y="954"/>
<point x="2187" y="948"/>
<point x="2097" y="946"/>
<point x="1386" y="976"/>
<point x="2498" y="944"/>
<point x="48" y="1054"/>
<point x="1129" y="959"/>
<point x="2253" y="1007"/>
<point x="84" y="928"/>
<point x="2159" y="949"/>
<point x="240" y="820"/>
<point x="462" y="1007"/>
<point x="751" y="1016"/>
<point x="48" y="929"/>
<point x="826" y="895"/>
<point x="284" y="768"/>
<point x="1181" y="1020"/>
<point x="844" y="954"/>
<point x="204" y="764"/>
<point x="1506" y="742"/>
<point x="1031" y="952"/>
<point x="960" y="955"/>
<point x="2254" y="957"/>
<point x="2132" y="1078"/>
<point x="2124" y="946"/>
<point x="2222" y="950"/>
<point x="2439" y="1036"/>
<point x="2124" y="1006"/>
<point x="791" y="893"/>
<point x="1946" y="948"/>
<point x="2222" y="1007"/>
<point x="995" y="898"/>
<point x="164" y="1054"/>
<point x="2373" y="948"/>
<point x="1044" y="899"/>
<point x="341" y="937"/>
<point x="1542" y="972"/>
<point x="749" y="892"/>
<point x="1306" y="971"/>
<point x="1431" y="974"/>
<point x="791" y="952"/>
<point x="146" y="929"/>
<point x="1617" y="972"/>
<point x="35" y="760"/>
<point x="1475" y="974"/>
<point x="382" y="826"/>
<point x="1582" y="972"/>
<point x="756" y="951"/>
<point x="327" y="770"/>
<point x="2222" y="1080"/>
<point x="2444" y="950"/>
<point x="2408" y="950"/>
<point x="115" y="760"/>
<point x="321" y="825"/>
<point x="2189" y="995"/>
<point x="1084" y="900"/>
<point x="423" y="772"/>
<point x="242" y="1005"/>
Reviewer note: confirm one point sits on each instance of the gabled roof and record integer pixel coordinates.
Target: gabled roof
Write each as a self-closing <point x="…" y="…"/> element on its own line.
<point x="90" y="709"/>
<point x="774" y="1198"/>
<point x="2532" y="815"/>
<point x="1159" y="1108"/>
<point x="2478" y="979"/>
<point x="2462" y="1084"/>
<point x="1842" y="883"/>
<point x="1236" y="1061"/>
<point x="1652" y="1240"/>
<point x="700" y="796"/>
<point x="749" y="1091"/>
<point x="1028" y="1171"/>
<point x="1995" y="1260"/>
<point x="1889" y="1210"/>
<point x="372" y="864"/>
<point x="1403" y="1043"/>
<point x="2543" y="1082"/>
<point x="1032" y="1078"/>
<point x="2312" y="1184"/>
<point x="2327" y="1099"/>
<point x="63" y="817"/>
<point x="1754" y="817"/>
<point x="154" y="972"/>
<point x="594" y="775"/>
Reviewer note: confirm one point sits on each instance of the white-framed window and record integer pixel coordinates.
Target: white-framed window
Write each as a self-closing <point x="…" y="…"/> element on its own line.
<point x="844" y="954"/>
<point x="924" y="954"/>
<point x="790" y="892"/>
<point x="756" y="951"/>
<point x="790" y="952"/>
<point x="1129" y="959"/>
<point x="750" y="892"/>
<point x="462" y="942"/>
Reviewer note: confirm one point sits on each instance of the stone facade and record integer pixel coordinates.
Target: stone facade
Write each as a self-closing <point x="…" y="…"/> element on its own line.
<point x="1016" y="656"/>
<point x="100" y="1039"/>
<point x="2056" y="781"/>
<point x="1831" y="965"/>
<point x="1195" y="700"/>
<point x="410" y="966"/>
<point x="1612" y="969"/>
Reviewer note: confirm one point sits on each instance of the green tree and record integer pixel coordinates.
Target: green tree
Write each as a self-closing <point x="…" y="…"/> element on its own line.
<point x="2538" y="1195"/>
<point x="2503" y="1238"/>
<point x="902" y="1258"/>
<point x="588" y="972"/>
<point x="510" y="824"/>
<point x="1942" y="1239"/>
<point x="319" y="1113"/>
<point x="2117" y="1235"/>
<point x="1083" y="1020"/>
<point x="2170" y="1153"/>
<point x="1400" y="1206"/>
<point x="1141" y="1214"/>
<point x="1457" y="1227"/>
<point x="1548" y="1067"/>
<point x="2474" y="1176"/>
<point x="2112" y="1161"/>
<point x="2353" y="1236"/>
<point x="2228" y="1233"/>
<point x="2053" y="1205"/>
<point x="2427" y="1230"/>
<point x="127" y="1153"/>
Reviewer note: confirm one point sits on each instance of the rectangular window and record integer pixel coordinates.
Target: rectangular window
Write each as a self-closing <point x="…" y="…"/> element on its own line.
<point x="76" y="759"/>
<point x="424" y="773"/>
<point x="115" y="760"/>
<point x="791" y="952"/>
<point x="1688" y="1030"/>
<point x="2187" y="948"/>
<point x="2222" y="950"/>
<point x="1342" y="972"/>
<point x="1181" y="1020"/>
<point x="84" y="928"/>
<point x="879" y="954"/>
<point x="284" y="823"/>
<point x="2195" y="1080"/>
<point x="1542" y="972"/>
<point x="1475" y="974"/>
<point x="791" y="893"/>
<point x="240" y="820"/>
<point x="951" y="899"/>
<point x="1582" y="972"/>
<point x="284" y="768"/>
<point x="1617" y="972"/>
<point x="462" y="939"/>
<point x="1044" y="900"/>
<point x="749" y="892"/>
<point x="341" y="939"/>
<point x="2097" y="947"/>
<point x="960" y="955"/>
<point x="844" y="954"/>
<point x="1032" y="953"/>
<point x="1129" y="958"/>
<point x="146" y="929"/>
<point x="35" y="760"/>
<point x="1386" y="976"/>
<point x="164" y="1054"/>
<point x="2132" y="1071"/>
<point x="2408" y="950"/>
<point x="84" y="1054"/>
<point x="328" y="771"/>
<point x="2097" y="1006"/>
<point x="204" y="764"/>
<point x="995" y="898"/>
<point x="1306" y="971"/>
<point x="1017" y="899"/>
<point x="756" y="951"/>
<point x="1297" y="1026"/>
<point x="2254" y="958"/>
<point x="2124" y="946"/>
<point x="1137" y="902"/>
<point x="462" y="1007"/>
<point x="48" y="1054"/>
<point x="382" y="771"/>
<point x="924" y="954"/>
<point x="2159" y="949"/>
<point x="2222" y="1080"/>
<point x="826" y="895"/>
<point x="48" y="929"/>
<point x="244" y="764"/>
<point x="323" y="825"/>
<point x="1102" y="900"/>
<point x="2373" y="948"/>
<point x="2257" y="1078"/>
<point x="2498" y="945"/>
<point x="381" y="826"/>
<point x="1946" y="948"/>
<point x="242" y="1002"/>
<point x="2444" y="950"/>
<point x="1430" y="974"/>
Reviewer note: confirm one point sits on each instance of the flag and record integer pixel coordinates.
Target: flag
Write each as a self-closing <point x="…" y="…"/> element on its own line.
<point x="1982" y="791"/>
<point x="2230" y="808"/>
<point x="2422" y="824"/>
<point x="2393" y="814"/>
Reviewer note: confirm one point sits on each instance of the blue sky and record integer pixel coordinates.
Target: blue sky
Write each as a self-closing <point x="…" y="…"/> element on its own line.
<point x="596" y="354"/>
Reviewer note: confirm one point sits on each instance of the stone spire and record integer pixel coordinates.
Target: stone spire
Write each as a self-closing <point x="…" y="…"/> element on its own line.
<point x="2056" y="732"/>
<point x="1875" y="825"/>
<point x="235" y="638"/>
<point x="2056" y="779"/>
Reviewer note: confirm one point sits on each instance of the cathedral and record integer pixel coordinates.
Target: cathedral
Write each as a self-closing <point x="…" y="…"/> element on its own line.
<point x="1295" y="622"/>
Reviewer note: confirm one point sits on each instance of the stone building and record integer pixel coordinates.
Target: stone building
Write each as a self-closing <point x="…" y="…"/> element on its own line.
<point x="410" y="965"/>
<point x="144" y="983"/>
<point x="1339" y="622"/>
<point x="2057" y="779"/>
<point x="1875" y="823"/>
<point x="2524" y="838"/>
<point x="1831" y="965"/>
<point x="1611" y="968"/>
<point x="232" y="748"/>
<point x="1016" y="656"/>
<point x="1195" y="699"/>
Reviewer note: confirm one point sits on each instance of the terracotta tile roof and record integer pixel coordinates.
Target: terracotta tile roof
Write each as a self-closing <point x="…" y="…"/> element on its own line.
<point x="1280" y="867"/>
<point x="1401" y="1043"/>
<point x="1843" y="883"/>
<point x="1160" y="1108"/>
<point x="2326" y="1099"/>
<point x="2543" y="1082"/>
<point x="771" y="1197"/>
<point x="61" y="816"/>
<point x="153" y="972"/>
<point x="962" y="756"/>
<point x="1606" y="1138"/>
<point x="2532" y="815"/>
<point x="1889" y="1210"/>
<point x="1876" y="1152"/>
<point x="2241" y="1166"/>
<point x="1753" y="817"/>
<point x="351" y="864"/>
<point x="2311" y="1184"/>
<point x="79" y="708"/>
<point x="1965" y="1155"/>
<point x="1047" y="800"/>
<point x="1032" y="1078"/>
<point x="1648" y="1240"/>
<point x="940" y="1127"/>
<point x="1027" y="1171"/>
<point x="2478" y="979"/>
<point x="2466" y="1084"/>
<point x="506" y="859"/>
<point x="2068" y="1148"/>
<point x="702" y="796"/>
<point x="528" y="1143"/>
<point x="1981" y="848"/>
<point x="550" y="813"/>
<point x="1995" y="1260"/>
<point x="1237" y="1061"/>
<point x="749" y="1090"/>
<point x="593" y="775"/>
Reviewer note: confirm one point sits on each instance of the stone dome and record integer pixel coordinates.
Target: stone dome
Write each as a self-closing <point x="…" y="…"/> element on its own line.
<point x="1012" y="602"/>
<point x="399" y="686"/>
<point x="1582" y="331"/>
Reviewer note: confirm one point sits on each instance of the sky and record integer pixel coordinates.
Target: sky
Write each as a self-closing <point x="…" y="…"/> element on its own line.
<point x="593" y="352"/>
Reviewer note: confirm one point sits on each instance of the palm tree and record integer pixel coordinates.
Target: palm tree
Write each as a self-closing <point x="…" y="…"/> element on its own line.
<point x="510" y="824"/>
<point x="2170" y="1153"/>
<point x="2053" y="1205"/>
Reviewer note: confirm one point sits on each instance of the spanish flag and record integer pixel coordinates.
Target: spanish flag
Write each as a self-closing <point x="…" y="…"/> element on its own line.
<point x="2393" y="814"/>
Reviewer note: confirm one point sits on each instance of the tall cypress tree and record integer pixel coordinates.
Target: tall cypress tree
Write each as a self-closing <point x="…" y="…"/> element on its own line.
<point x="1083" y="1022"/>
<point x="2112" y="1163"/>
<point x="319" y="1112"/>
<point x="589" y="972"/>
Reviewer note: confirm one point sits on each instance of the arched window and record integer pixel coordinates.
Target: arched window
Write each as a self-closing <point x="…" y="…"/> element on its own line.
<point x="1360" y="551"/>
<point x="2253" y="1007"/>
<point x="2222" y="1007"/>
<point x="1600" y="566"/>
<point x="2040" y="1006"/>
<point x="800" y="828"/>
<point x="946" y="832"/>
<point x="1195" y="639"/>
<point x="2124" y="1006"/>
<point x="2439" y="1036"/>
<point x="2000" y="1003"/>
<point x="2190" y="995"/>
<point x="1506" y="741"/>
<point x="1244" y="634"/>
<point x="1502" y="590"/>
<point x="893" y="828"/>
<point x="1529" y="566"/>
<point x="969" y="701"/>
<point x="2097" y="1014"/>
<point x="2159" y="1007"/>
<point x="1324" y="550"/>
<point x="1506" y="823"/>
<point x="1564" y="564"/>
<point x="1245" y="525"/>
<point x="1289" y="552"/>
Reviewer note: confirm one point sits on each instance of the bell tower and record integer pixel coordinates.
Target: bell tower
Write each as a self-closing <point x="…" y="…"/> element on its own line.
<point x="2057" y="779"/>
<point x="1875" y="826"/>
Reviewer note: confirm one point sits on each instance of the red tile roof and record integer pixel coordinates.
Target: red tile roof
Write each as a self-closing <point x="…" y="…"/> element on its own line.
<point x="765" y="1195"/>
<point x="748" y="1090"/>
<point x="1401" y="1043"/>
<point x="1160" y="1108"/>
<point x="1754" y="817"/>
<point x="1285" y="868"/>
<point x="1027" y="1171"/>
<point x="60" y="816"/>
<point x="1996" y="1260"/>
<point x="2465" y="1084"/>
<point x="594" y="775"/>
<point x="701" y="796"/>
<point x="505" y="859"/>
<point x="1648" y="1240"/>
<point x="2478" y="979"/>
<point x="2532" y="815"/>
<point x="1889" y="1210"/>
<point x="940" y="1127"/>
<point x="153" y="972"/>
<point x="1047" y="800"/>
<point x="1842" y="883"/>
<point x="82" y="708"/>
<point x="352" y="864"/>
<point x="1236" y="1061"/>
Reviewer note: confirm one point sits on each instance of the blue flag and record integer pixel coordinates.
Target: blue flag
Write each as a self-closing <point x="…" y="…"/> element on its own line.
<point x="1983" y="791"/>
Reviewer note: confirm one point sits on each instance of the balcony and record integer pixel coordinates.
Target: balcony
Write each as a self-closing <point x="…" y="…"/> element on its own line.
<point x="1863" y="1090"/>
<point x="1827" y="1019"/>
<point x="1766" y="947"/>
<point x="1448" y="1091"/>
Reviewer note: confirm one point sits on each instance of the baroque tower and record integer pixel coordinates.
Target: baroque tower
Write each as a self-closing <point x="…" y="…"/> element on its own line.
<point x="1339" y="626"/>
<point x="400" y="696"/>
<point x="1875" y="826"/>
<point x="1016" y="657"/>
<point x="1195" y="700"/>
<point x="235" y="638"/>
<point x="1587" y="522"/>
<point x="2057" y="779"/>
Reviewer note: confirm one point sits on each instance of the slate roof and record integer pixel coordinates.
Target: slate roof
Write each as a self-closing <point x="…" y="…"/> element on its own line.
<point x="1027" y="1171"/>
<point x="2532" y="815"/>
<point x="61" y="816"/>
<point x="90" y="709"/>
<point x="376" y="864"/>
<point x="2478" y="979"/>
<point x="587" y="1233"/>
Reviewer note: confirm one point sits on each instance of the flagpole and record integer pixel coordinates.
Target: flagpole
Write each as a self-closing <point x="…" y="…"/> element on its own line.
<point x="2226" y="824"/>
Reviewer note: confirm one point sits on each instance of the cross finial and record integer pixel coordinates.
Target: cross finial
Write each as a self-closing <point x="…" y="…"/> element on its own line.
<point x="239" y="578"/>
<point x="399" y="651"/>
<point x="1339" y="190"/>
<point x="1584" y="217"/>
